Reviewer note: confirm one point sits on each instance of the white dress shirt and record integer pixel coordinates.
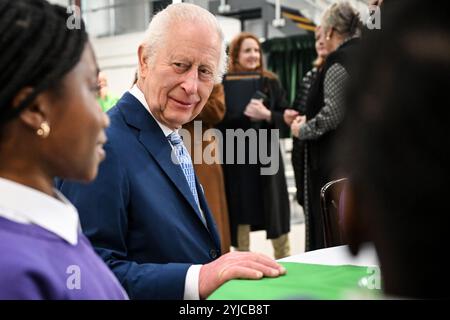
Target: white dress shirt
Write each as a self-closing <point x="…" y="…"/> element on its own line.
<point x="26" y="205"/>
<point x="191" y="283"/>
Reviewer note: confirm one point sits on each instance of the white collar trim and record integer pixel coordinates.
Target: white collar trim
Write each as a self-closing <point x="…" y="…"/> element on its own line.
<point x="26" y="205"/>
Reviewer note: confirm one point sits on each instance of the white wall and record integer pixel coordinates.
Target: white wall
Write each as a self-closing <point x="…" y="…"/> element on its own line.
<point x="117" y="57"/>
<point x="230" y="27"/>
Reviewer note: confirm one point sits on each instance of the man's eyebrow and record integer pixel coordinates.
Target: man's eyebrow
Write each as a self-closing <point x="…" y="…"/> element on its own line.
<point x="207" y="64"/>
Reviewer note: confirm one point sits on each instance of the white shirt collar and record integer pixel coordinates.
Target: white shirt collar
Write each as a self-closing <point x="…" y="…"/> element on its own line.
<point x="138" y="94"/>
<point x="26" y="205"/>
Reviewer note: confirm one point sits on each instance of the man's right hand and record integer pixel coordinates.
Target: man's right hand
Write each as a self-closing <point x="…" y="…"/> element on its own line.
<point x="236" y="265"/>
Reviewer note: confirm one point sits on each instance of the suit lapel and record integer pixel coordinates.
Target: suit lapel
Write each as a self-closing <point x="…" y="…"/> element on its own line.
<point x="152" y="138"/>
<point x="207" y="213"/>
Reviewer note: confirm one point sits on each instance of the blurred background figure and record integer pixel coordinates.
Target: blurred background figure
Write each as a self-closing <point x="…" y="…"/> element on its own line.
<point x="255" y="201"/>
<point x="394" y="149"/>
<point x="211" y="175"/>
<point x="300" y="147"/>
<point x="341" y="27"/>
<point x="106" y="99"/>
<point x="50" y="125"/>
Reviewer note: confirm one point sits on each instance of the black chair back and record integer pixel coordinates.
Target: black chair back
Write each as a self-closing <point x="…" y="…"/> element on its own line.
<point x="329" y="202"/>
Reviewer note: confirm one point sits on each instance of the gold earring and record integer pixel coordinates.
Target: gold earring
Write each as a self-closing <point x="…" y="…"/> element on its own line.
<point x="44" y="130"/>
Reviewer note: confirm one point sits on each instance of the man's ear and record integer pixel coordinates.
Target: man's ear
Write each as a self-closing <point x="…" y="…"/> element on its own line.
<point x="143" y="59"/>
<point x="353" y="225"/>
<point x="37" y="110"/>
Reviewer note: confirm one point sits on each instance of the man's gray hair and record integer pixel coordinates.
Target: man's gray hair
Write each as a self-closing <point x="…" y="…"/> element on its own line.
<point x="344" y="18"/>
<point x="182" y="12"/>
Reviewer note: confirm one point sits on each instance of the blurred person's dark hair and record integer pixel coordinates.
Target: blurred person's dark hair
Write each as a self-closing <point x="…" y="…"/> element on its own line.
<point x="51" y="51"/>
<point x="395" y="148"/>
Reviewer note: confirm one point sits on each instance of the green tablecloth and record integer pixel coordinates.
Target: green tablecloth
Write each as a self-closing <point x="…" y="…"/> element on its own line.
<point x="305" y="281"/>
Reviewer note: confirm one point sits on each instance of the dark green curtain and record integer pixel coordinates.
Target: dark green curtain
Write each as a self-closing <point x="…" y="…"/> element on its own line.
<point x="290" y="58"/>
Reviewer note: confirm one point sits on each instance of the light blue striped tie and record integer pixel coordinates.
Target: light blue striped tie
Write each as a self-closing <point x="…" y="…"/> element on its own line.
<point x="184" y="159"/>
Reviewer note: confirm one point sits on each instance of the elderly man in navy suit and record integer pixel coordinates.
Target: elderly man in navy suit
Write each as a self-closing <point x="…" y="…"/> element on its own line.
<point x="145" y="214"/>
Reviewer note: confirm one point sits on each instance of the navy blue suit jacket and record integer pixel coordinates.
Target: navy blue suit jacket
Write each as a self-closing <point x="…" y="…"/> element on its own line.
<point x="139" y="213"/>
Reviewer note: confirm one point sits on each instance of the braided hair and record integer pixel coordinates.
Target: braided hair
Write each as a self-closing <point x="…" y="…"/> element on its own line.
<point x="36" y="50"/>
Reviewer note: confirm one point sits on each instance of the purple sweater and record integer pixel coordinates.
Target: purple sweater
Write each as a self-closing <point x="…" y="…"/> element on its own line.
<point x="37" y="264"/>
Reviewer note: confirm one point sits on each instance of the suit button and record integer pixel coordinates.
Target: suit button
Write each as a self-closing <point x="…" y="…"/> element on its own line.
<point x="213" y="253"/>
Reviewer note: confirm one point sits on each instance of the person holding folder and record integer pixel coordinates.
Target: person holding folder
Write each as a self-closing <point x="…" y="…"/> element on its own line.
<point x="255" y="201"/>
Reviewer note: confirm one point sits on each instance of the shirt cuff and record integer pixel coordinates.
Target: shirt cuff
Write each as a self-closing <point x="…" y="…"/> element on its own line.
<point x="191" y="283"/>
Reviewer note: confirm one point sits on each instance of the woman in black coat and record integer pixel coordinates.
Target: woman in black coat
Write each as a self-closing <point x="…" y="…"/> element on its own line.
<point x="257" y="201"/>
<point x="299" y="106"/>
